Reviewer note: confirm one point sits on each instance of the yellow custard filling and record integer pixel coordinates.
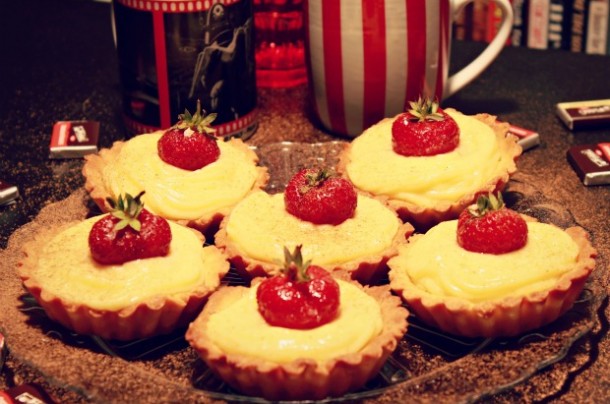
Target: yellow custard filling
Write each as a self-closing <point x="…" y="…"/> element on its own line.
<point x="427" y="180"/>
<point x="67" y="270"/>
<point x="240" y="329"/>
<point x="436" y="263"/>
<point x="175" y="193"/>
<point x="259" y="227"/>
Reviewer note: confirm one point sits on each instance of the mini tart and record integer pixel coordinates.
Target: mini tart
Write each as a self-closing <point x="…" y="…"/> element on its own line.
<point x="254" y="235"/>
<point x="486" y="295"/>
<point x="137" y="299"/>
<point x="430" y="189"/>
<point x="285" y="364"/>
<point x="198" y="199"/>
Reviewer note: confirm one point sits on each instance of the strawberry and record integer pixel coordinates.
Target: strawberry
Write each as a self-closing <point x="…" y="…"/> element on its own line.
<point x="128" y="233"/>
<point x="190" y="144"/>
<point x="424" y="130"/>
<point x="302" y="297"/>
<point x="316" y="196"/>
<point x="490" y="227"/>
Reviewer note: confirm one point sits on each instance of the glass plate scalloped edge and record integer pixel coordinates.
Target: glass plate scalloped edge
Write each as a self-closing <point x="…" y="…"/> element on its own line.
<point x="428" y="365"/>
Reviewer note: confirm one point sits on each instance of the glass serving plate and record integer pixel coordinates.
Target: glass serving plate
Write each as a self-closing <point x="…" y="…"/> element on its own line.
<point x="427" y="365"/>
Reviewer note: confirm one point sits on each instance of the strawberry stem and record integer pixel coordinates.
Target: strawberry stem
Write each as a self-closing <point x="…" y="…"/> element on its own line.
<point x="425" y="109"/>
<point x="318" y="177"/>
<point x="314" y="180"/>
<point x="294" y="267"/>
<point x="199" y="120"/>
<point x="127" y="209"/>
<point x="487" y="203"/>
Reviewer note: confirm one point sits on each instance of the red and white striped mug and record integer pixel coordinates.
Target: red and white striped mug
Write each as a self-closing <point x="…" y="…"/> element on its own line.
<point x="367" y="59"/>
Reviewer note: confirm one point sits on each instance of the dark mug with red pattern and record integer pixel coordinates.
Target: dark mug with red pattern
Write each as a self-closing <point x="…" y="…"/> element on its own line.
<point x="175" y="53"/>
<point x="367" y="59"/>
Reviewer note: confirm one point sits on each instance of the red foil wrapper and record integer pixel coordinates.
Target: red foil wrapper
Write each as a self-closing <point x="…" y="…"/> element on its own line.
<point x="73" y="139"/>
<point x="2" y="352"/>
<point x="527" y="138"/>
<point x="25" y="393"/>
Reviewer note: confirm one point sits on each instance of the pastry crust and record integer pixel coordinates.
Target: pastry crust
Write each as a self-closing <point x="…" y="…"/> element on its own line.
<point x="504" y="317"/>
<point x="367" y="269"/>
<point x="423" y="218"/>
<point x="158" y="315"/>
<point x="94" y="183"/>
<point x="303" y="378"/>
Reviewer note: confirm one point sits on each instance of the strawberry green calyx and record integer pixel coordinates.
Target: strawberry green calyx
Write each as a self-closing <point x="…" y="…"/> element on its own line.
<point x="424" y="130"/>
<point x="128" y="232"/>
<point x="485" y="204"/>
<point x="315" y="179"/>
<point x="425" y="109"/>
<point x="489" y="227"/>
<point x="198" y="121"/>
<point x="294" y="267"/>
<point x="127" y="209"/>
<point x="302" y="296"/>
<point x="314" y="195"/>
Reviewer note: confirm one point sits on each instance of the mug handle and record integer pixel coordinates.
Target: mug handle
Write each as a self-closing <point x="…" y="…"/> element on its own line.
<point x="481" y="62"/>
<point x="113" y="23"/>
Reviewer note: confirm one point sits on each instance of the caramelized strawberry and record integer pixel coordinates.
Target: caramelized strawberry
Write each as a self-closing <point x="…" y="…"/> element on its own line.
<point x="190" y="144"/>
<point x="128" y="233"/>
<point x="303" y="296"/>
<point x="424" y="130"/>
<point x="318" y="197"/>
<point x="490" y="227"/>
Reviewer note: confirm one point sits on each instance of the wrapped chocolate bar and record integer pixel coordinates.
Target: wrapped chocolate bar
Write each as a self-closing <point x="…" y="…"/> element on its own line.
<point x="8" y="193"/>
<point x="25" y="393"/>
<point x="73" y="139"/>
<point x="527" y="138"/>
<point x="591" y="162"/>
<point x="2" y="352"/>
<point x="584" y="114"/>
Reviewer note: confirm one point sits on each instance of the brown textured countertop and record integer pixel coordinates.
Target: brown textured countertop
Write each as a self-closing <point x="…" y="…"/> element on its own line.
<point x="73" y="75"/>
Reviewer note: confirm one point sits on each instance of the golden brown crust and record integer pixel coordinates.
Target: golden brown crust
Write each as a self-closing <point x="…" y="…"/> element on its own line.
<point x="303" y="378"/>
<point x="503" y="317"/>
<point x="159" y="315"/>
<point x="95" y="185"/>
<point x="424" y="218"/>
<point x="365" y="269"/>
<point x="92" y="171"/>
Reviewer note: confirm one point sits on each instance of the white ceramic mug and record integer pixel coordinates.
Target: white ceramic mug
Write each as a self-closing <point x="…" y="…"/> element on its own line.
<point x="367" y="59"/>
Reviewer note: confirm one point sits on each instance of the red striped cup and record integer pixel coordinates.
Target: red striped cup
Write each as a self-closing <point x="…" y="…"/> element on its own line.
<point x="367" y="59"/>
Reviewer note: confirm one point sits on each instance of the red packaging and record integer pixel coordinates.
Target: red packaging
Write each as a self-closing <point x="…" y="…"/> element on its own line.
<point x="25" y="393"/>
<point x="527" y="138"/>
<point x="73" y="139"/>
<point x="2" y="352"/>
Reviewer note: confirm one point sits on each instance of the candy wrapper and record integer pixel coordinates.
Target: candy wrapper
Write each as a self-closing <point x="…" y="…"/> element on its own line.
<point x="584" y="114"/>
<point x="25" y="393"/>
<point x="2" y="353"/>
<point x="591" y="162"/>
<point x="73" y="139"/>
<point x="8" y="193"/>
<point x="527" y="138"/>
